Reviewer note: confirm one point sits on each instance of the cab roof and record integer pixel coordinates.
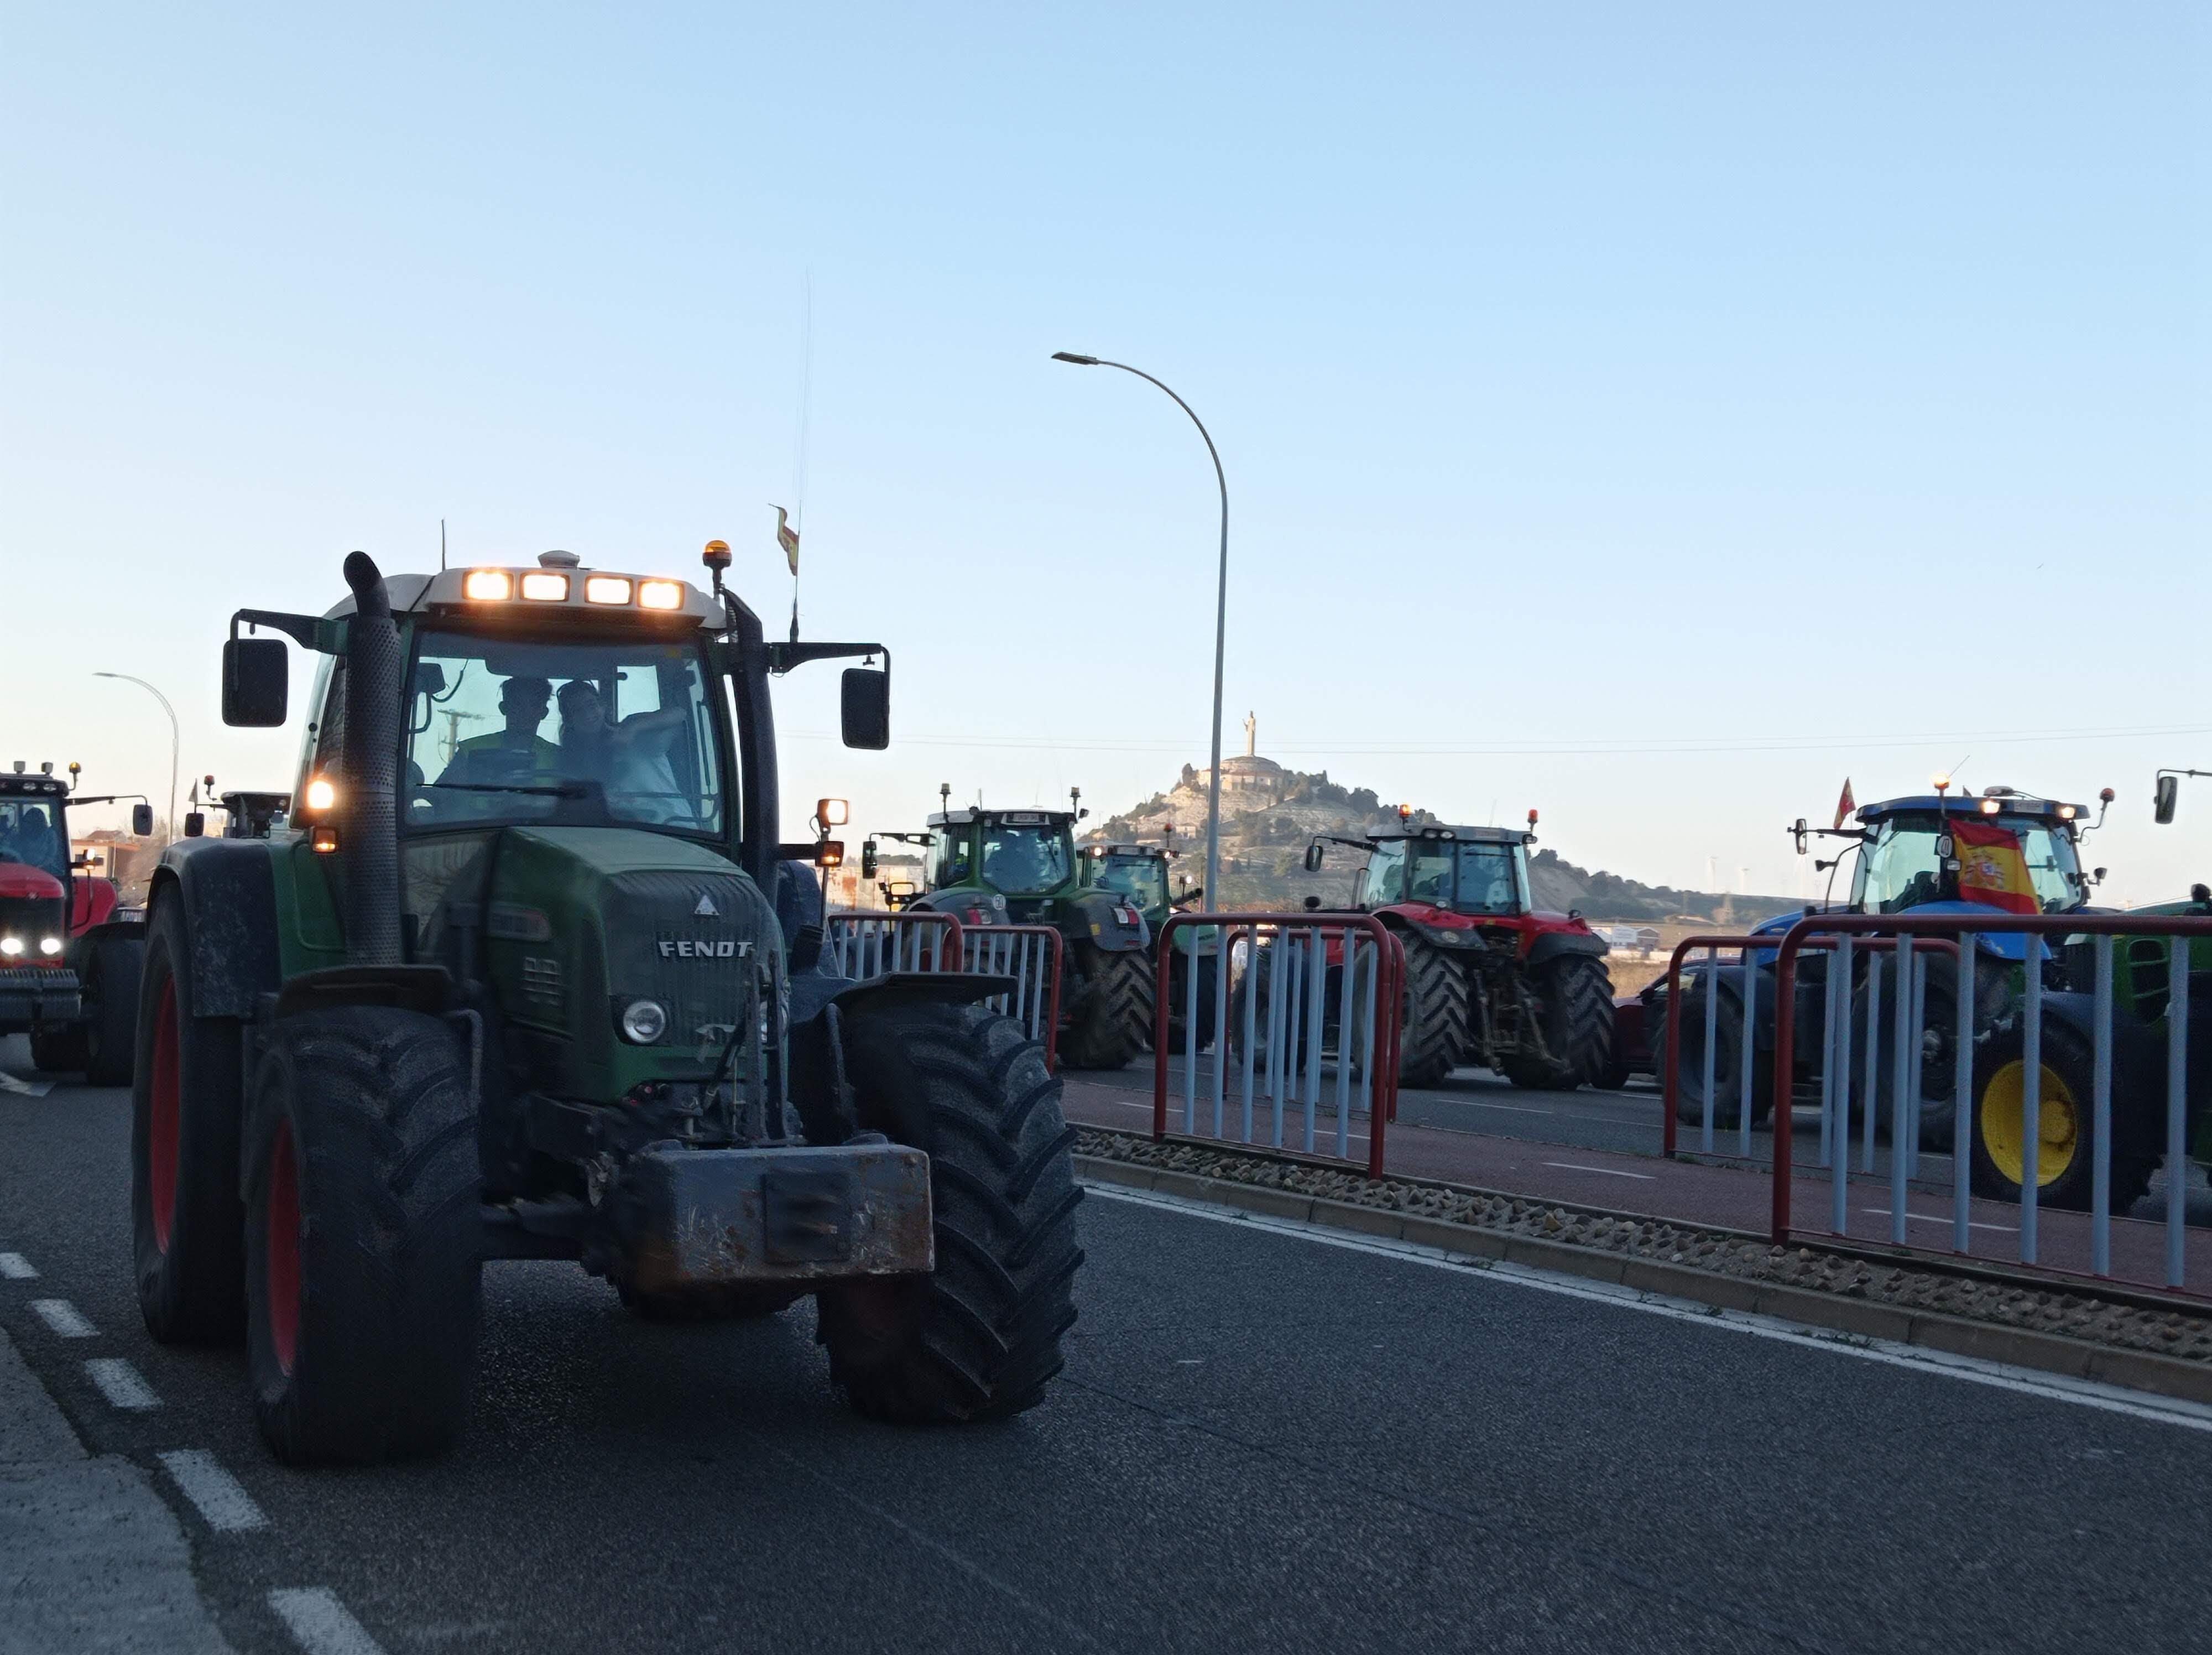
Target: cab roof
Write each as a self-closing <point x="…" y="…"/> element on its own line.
<point x="43" y="787"/>
<point x="1493" y="836"/>
<point x="568" y="590"/>
<point x="943" y="818"/>
<point x="1993" y="802"/>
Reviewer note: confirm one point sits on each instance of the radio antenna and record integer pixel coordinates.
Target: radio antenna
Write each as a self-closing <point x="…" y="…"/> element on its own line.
<point x="441" y="545"/>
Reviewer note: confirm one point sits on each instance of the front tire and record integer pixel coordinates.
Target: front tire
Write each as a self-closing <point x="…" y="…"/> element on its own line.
<point x="1113" y="1019"/>
<point x="977" y="1338"/>
<point x="362" y="1237"/>
<point x="111" y="1025"/>
<point x="1432" y="1041"/>
<point x="186" y="1220"/>
<point x="1690" y="1101"/>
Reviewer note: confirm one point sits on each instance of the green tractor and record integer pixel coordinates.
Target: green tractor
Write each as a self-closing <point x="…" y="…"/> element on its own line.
<point x="557" y="992"/>
<point x="1019" y="867"/>
<point x="1140" y="872"/>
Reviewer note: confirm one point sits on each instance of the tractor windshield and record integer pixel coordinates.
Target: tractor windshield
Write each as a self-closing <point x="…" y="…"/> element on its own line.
<point x="1468" y="878"/>
<point x="1143" y="879"/>
<point x="2013" y="863"/>
<point x="1493" y="879"/>
<point x="31" y="833"/>
<point x="500" y="729"/>
<point x="1024" y="861"/>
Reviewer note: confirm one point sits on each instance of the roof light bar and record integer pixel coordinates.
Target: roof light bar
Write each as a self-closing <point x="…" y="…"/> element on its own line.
<point x="660" y="594"/>
<point x="607" y="589"/>
<point x="543" y="588"/>
<point x="488" y="586"/>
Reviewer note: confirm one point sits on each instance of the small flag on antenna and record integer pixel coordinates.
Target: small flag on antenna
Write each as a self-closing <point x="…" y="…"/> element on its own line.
<point x="787" y="538"/>
<point x="1845" y="805"/>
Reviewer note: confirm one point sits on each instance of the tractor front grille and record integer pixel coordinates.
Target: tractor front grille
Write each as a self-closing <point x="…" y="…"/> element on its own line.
<point x="694" y="942"/>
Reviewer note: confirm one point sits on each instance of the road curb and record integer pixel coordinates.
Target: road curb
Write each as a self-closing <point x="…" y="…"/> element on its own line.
<point x="2046" y="1352"/>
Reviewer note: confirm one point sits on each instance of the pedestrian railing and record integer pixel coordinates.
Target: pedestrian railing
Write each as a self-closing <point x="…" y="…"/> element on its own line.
<point x="2062" y="1106"/>
<point x="1034" y="956"/>
<point x="867" y="942"/>
<point x="1289" y="1039"/>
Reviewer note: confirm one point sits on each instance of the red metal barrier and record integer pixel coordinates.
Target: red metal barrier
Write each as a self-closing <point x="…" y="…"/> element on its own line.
<point x="1388" y="991"/>
<point x="1035" y="1003"/>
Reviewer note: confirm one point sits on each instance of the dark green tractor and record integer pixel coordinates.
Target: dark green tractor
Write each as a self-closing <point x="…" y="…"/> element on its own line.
<point x="1141" y="873"/>
<point x="1019" y="867"/>
<point x="500" y="986"/>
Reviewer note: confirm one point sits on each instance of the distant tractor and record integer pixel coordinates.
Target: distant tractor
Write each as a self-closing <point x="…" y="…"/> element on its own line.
<point x="1140" y="872"/>
<point x="557" y="992"/>
<point x="1490" y="982"/>
<point x="69" y="955"/>
<point x="989" y="867"/>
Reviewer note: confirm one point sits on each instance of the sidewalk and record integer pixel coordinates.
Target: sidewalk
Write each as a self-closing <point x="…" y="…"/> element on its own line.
<point x="91" y="1560"/>
<point x="1733" y="1197"/>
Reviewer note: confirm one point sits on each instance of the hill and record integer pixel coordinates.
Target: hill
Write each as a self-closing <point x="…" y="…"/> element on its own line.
<point x="1269" y="814"/>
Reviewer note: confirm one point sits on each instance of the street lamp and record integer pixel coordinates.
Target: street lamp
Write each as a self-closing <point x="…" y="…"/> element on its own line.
<point x="1220" y="621"/>
<point x="172" y="712"/>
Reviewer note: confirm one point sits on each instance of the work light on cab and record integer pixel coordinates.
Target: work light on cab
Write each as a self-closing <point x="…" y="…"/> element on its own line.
<point x="538" y="587"/>
<point x="607" y="589"/>
<point x="489" y="586"/>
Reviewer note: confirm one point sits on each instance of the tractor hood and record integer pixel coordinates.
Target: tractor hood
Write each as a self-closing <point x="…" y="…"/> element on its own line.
<point x="585" y="924"/>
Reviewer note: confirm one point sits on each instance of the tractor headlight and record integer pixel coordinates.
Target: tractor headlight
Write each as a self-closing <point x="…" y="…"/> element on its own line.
<point x="50" y="945"/>
<point x="11" y="946"/>
<point x="644" y="1021"/>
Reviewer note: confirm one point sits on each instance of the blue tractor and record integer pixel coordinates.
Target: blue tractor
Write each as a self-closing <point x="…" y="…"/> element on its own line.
<point x="1925" y="854"/>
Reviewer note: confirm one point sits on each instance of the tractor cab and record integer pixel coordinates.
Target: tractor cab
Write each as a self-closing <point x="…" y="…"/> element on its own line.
<point x="35" y="876"/>
<point x="1137" y="872"/>
<point x="1017" y="861"/>
<point x="2006" y="850"/>
<point x="1480" y="872"/>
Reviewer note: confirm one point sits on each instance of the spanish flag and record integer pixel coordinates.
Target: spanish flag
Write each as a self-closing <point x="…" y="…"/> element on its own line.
<point x="1845" y="805"/>
<point x="787" y="538"/>
<point x="1993" y="867"/>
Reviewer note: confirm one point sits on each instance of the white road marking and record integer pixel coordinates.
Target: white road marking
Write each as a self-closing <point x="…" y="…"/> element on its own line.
<point x="15" y="1083"/>
<point x="1511" y="1109"/>
<point x="119" y="1382"/>
<point x="2052" y="1387"/>
<point x="1935" y="1218"/>
<point x="221" y="1499"/>
<point x="321" y="1624"/>
<point x="16" y="1267"/>
<point x="1611" y="1172"/>
<point x="62" y="1317"/>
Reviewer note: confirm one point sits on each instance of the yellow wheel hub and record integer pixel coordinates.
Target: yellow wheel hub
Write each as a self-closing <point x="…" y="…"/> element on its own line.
<point x="2004" y="1124"/>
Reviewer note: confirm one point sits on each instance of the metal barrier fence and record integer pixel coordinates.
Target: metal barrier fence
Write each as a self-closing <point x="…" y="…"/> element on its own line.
<point x="2113" y="1065"/>
<point x="1316" y="998"/>
<point x="1034" y="955"/>
<point x="868" y="942"/>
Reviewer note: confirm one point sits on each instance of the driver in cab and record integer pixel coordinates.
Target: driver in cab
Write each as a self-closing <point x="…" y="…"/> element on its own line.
<point x="516" y="754"/>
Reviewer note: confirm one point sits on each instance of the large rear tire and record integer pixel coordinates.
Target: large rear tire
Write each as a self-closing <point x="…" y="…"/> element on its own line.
<point x="2065" y="1154"/>
<point x="1433" y="1040"/>
<point x="1576" y="994"/>
<point x="979" y="1337"/>
<point x="111" y="1010"/>
<point x="187" y="1222"/>
<point x="1113" y="1019"/>
<point x="1690" y="1102"/>
<point x="364" y="1236"/>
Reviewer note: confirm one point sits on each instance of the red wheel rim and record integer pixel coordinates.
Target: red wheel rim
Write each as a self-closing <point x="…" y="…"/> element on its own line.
<point x="283" y="1247"/>
<point x="165" y="1107"/>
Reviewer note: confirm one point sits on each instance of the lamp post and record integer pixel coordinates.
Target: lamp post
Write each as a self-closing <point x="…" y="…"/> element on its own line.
<point x="172" y="712"/>
<point x="1220" y="619"/>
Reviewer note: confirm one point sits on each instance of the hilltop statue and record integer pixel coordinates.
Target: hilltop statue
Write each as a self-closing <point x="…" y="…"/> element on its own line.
<point x="1251" y="736"/>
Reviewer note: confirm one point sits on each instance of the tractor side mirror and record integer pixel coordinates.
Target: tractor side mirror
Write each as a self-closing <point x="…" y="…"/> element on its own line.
<point x="1313" y="857"/>
<point x="1798" y="834"/>
<point x="2162" y="804"/>
<point x="867" y="859"/>
<point x="256" y="683"/>
<point x="142" y="820"/>
<point x="864" y="709"/>
<point x="2097" y="876"/>
<point x="195" y="824"/>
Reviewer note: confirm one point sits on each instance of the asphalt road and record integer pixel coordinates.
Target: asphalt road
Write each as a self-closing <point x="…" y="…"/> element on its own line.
<point x="1261" y="1442"/>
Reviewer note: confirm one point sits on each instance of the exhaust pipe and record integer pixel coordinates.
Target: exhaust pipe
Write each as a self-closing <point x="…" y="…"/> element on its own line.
<point x="370" y="848"/>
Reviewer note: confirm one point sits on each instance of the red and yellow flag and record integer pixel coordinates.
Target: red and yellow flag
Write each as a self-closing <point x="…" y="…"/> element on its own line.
<point x="1993" y="867"/>
<point x="787" y="538"/>
<point x="1845" y="805"/>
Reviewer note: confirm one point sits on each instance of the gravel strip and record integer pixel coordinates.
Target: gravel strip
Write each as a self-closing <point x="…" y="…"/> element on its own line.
<point x="2180" y="1333"/>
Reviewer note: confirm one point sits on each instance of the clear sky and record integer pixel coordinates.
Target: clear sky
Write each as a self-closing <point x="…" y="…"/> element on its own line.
<point x="1652" y="414"/>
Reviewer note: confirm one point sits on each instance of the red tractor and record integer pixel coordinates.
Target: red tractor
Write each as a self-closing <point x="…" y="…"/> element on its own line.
<point x="1490" y="981"/>
<point x="69" y="957"/>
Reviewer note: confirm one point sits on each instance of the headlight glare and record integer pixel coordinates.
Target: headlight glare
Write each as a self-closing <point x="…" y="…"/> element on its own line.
<point x="644" y="1021"/>
<point x="50" y="945"/>
<point x="11" y="946"/>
